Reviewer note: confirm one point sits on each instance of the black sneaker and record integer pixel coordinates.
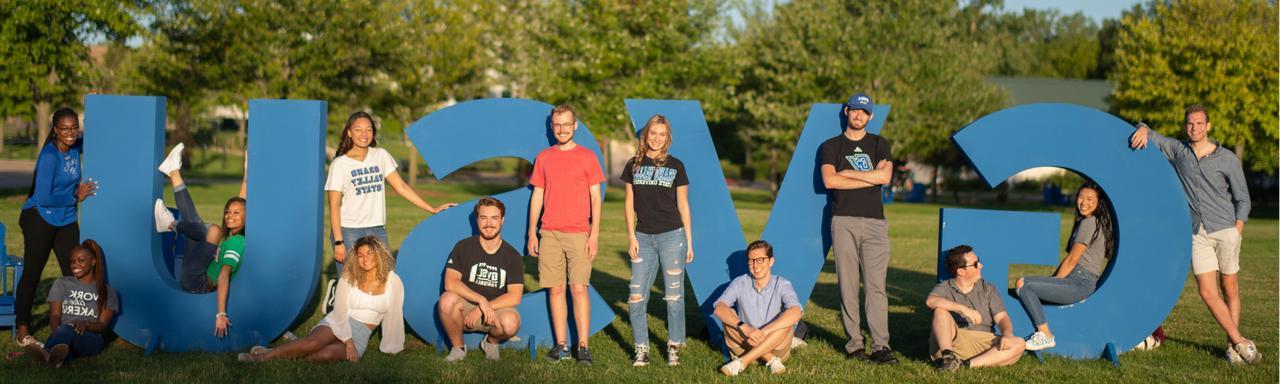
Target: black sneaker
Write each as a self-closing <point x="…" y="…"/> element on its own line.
<point x="949" y="362"/>
<point x="557" y="353"/>
<point x="884" y="356"/>
<point x="584" y="355"/>
<point x="859" y="355"/>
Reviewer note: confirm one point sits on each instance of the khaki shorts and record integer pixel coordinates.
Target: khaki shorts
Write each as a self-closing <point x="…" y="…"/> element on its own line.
<point x="967" y="344"/>
<point x="1218" y="251"/>
<point x="738" y="345"/>
<point x="561" y="253"/>
<point x="466" y="307"/>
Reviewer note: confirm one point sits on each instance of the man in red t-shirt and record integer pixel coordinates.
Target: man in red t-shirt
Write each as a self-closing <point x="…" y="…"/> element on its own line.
<point x="566" y="179"/>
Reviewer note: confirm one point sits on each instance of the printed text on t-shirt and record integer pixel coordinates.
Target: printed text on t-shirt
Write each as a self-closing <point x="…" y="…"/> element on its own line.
<point x="366" y="180"/>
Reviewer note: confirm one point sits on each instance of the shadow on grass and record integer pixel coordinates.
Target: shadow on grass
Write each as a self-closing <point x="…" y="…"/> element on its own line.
<point x="909" y="332"/>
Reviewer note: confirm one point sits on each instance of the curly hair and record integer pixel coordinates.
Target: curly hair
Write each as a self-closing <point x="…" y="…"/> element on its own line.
<point x="385" y="264"/>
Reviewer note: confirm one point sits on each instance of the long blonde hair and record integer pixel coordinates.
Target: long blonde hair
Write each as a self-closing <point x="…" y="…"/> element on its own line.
<point x="355" y="275"/>
<point x="642" y="145"/>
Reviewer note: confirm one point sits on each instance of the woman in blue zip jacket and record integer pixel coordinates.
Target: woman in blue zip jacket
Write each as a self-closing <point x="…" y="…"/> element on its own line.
<point x="49" y="217"/>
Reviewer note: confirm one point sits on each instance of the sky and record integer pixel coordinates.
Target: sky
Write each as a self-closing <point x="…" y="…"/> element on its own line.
<point x="1094" y="9"/>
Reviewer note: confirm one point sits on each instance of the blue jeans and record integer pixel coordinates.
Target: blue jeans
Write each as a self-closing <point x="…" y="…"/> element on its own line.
<point x="350" y="235"/>
<point x="86" y="345"/>
<point x="1078" y="285"/>
<point x="669" y="250"/>
<point x="197" y="252"/>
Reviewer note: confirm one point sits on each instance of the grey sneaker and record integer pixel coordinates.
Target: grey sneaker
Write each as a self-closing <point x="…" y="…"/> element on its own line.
<point x="456" y="354"/>
<point x="949" y="361"/>
<point x="673" y="354"/>
<point x="491" y="352"/>
<point x="584" y="355"/>
<point x="642" y="356"/>
<point x="1232" y="356"/>
<point x="557" y="353"/>
<point x="1248" y="352"/>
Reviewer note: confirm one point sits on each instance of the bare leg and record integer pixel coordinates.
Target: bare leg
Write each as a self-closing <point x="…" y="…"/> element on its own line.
<point x="995" y="357"/>
<point x="1231" y="289"/>
<point x="175" y="178"/>
<point x="766" y="347"/>
<point x="305" y="346"/>
<point x="944" y="329"/>
<point x="581" y="312"/>
<point x="507" y="326"/>
<point x="1208" y="283"/>
<point x="451" y="317"/>
<point x="336" y="351"/>
<point x="559" y="313"/>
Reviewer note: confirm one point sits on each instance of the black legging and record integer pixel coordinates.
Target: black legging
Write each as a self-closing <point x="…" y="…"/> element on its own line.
<point x="40" y="238"/>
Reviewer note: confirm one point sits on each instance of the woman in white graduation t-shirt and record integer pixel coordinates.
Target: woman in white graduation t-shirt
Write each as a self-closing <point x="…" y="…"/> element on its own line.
<point x="356" y="187"/>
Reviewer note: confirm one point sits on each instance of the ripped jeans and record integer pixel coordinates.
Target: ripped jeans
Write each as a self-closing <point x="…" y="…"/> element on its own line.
<point x="669" y="250"/>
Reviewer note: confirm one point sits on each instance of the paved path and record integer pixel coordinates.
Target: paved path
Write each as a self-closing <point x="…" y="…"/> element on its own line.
<point x="16" y="173"/>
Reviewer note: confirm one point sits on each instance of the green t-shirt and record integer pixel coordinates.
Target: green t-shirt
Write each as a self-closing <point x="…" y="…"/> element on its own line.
<point x="228" y="254"/>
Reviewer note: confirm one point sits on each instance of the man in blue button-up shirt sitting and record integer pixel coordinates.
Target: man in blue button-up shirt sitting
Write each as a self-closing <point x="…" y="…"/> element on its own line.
<point x="767" y="311"/>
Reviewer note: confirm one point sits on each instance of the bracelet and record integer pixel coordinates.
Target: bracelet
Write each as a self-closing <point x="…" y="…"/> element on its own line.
<point x="220" y="314"/>
<point x="337" y="242"/>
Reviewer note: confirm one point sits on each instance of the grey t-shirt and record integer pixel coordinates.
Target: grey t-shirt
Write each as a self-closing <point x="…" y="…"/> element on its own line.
<point x="80" y="300"/>
<point x="982" y="298"/>
<point x="1094" y="259"/>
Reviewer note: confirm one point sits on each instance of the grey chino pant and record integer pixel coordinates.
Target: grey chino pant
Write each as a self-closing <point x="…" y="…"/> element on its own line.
<point x="861" y="247"/>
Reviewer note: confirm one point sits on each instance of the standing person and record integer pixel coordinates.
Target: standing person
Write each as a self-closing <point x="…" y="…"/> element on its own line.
<point x="49" y="216"/>
<point x="1218" y="197"/>
<point x="762" y="326"/>
<point x="566" y="179"/>
<point x="357" y="199"/>
<point x="212" y="252"/>
<point x="483" y="284"/>
<point x="81" y="307"/>
<point x="658" y="233"/>
<point x="855" y="165"/>
<point x="1091" y="245"/>
<point x="966" y="311"/>
<point x="370" y="294"/>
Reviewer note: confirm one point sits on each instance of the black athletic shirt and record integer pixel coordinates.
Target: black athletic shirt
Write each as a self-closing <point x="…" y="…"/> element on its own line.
<point x="486" y="274"/>
<point x="655" y="193"/>
<point x="861" y="155"/>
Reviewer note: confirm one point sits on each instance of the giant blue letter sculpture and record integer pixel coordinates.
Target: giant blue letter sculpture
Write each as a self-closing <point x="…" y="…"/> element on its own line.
<point x="798" y="226"/>
<point x="450" y="139"/>
<point x="124" y="137"/>
<point x="1150" y="264"/>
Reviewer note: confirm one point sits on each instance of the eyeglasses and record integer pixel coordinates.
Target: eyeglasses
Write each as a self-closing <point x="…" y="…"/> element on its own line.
<point x="758" y="260"/>
<point x="565" y="125"/>
<point x="975" y="264"/>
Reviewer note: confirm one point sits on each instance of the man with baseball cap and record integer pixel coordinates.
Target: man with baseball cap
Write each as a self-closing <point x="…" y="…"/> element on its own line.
<point x="854" y="165"/>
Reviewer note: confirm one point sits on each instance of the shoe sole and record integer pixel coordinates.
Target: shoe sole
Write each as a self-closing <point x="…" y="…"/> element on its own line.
<point x="637" y="364"/>
<point x="58" y="354"/>
<point x="36" y="353"/>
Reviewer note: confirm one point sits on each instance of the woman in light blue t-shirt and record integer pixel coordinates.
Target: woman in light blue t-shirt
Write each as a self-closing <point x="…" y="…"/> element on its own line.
<point x="1091" y="246"/>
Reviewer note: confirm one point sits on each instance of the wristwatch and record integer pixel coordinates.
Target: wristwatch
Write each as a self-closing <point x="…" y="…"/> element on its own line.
<point x="337" y="242"/>
<point x="741" y="323"/>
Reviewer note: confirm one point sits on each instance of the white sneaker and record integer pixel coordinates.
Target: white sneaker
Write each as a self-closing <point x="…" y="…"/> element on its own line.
<point x="1248" y="352"/>
<point x="164" y="218"/>
<point x="732" y="368"/>
<point x="776" y="367"/>
<point x="1038" y="341"/>
<point x="797" y="343"/>
<point x="173" y="161"/>
<point x="1232" y="356"/>
<point x="456" y="354"/>
<point x="491" y="352"/>
<point x="30" y="340"/>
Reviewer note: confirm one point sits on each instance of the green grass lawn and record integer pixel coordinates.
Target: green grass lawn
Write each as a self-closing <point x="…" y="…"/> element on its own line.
<point x="1192" y="354"/>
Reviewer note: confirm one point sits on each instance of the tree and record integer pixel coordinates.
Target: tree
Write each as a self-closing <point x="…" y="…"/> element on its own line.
<point x="1222" y="55"/>
<point x="912" y="54"/>
<point x="1043" y="43"/>
<point x="43" y="58"/>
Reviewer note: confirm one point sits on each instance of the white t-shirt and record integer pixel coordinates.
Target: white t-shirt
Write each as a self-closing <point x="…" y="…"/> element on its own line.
<point x="363" y="187"/>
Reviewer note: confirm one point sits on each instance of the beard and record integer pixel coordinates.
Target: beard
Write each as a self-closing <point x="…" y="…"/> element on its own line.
<point x="496" y="234"/>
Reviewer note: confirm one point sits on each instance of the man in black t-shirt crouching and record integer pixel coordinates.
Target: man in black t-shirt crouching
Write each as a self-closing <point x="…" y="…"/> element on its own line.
<point x="483" y="284"/>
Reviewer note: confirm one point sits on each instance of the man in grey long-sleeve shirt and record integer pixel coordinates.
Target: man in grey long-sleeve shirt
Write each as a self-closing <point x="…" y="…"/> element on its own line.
<point x="1219" y="200"/>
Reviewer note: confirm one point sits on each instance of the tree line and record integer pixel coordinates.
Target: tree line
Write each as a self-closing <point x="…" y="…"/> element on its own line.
<point x="756" y="65"/>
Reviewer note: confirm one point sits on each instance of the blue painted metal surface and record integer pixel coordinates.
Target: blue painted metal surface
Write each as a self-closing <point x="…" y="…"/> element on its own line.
<point x="454" y="137"/>
<point x="124" y="140"/>
<point x="1150" y="266"/>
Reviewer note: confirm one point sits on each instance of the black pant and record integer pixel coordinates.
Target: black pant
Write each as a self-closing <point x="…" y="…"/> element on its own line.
<point x="40" y="238"/>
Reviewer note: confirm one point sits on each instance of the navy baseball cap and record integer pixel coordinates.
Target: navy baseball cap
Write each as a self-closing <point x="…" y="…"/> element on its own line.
<point x="860" y="101"/>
